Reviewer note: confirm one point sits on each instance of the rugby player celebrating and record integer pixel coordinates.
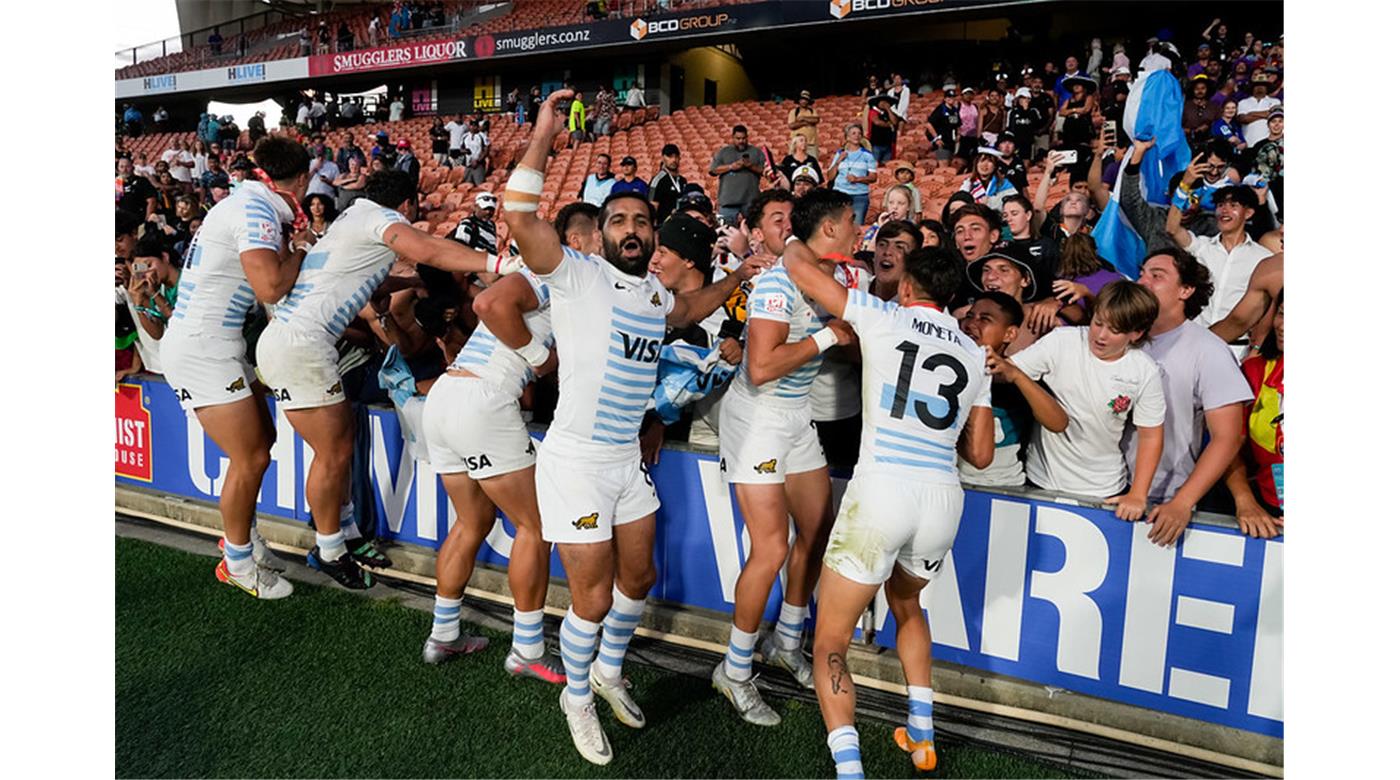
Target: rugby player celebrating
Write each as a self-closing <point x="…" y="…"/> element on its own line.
<point x="238" y="258"/>
<point x="926" y="395"/>
<point x="297" y="355"/>
<point x="596" y="499"/>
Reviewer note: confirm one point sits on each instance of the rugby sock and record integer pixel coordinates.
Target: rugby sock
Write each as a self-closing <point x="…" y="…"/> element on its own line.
<point x="738" y="660"/>
<point x="332" y="546"/>
<point x="788" y="631"/>
<point x="618" y="627"/>
<point x="920" y="723"/>
<point x="238" y="558"/>
<point x="578" y="638"/>
<point x="348" y="526"/>
<point x="447" y="619"/>
<point x="528" y="636"/>
<point x="845" y="751"/>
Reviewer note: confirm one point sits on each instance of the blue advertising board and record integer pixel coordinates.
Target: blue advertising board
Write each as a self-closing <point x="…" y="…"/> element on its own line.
<point x="1063" y="595"/>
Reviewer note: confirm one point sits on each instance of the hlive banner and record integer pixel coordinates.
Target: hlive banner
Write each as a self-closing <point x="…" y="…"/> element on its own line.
<point x="1065" y="596"/>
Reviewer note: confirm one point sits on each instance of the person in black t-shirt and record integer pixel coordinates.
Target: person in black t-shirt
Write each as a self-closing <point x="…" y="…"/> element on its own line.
<point x="1010" y="165"/>
<point x="138" y="195"/>
<point x="1023" y="122"/>
<point x="668" y="183"/>
<point x="882" y="124"/>
<point x="943" y="124"/>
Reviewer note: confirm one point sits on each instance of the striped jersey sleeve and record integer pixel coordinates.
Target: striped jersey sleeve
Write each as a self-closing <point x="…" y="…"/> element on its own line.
<point x="773" y="297"/>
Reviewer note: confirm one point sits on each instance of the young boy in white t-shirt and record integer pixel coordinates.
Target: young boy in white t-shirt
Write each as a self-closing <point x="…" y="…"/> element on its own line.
<point x="1101" y="379"/>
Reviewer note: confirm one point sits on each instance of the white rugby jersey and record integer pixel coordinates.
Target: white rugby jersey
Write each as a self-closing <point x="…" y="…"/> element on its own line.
<point x="609" y="327"/>
<point x="776" y="298"/>
<point x="340" y="273"/>
<point x="215" y="296"/>
<point x="835" y="392"/>
<point x="920" y="376"/>
<point x="485" y="355"/>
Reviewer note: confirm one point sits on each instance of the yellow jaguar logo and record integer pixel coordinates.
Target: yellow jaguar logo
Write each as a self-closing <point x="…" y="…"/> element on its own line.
<point x="587" y="522"/>
<point x="656" y="299"/>
<point x="236" y="385"/>
<point x="769" y="466"/>
<point x="335" y="388"/>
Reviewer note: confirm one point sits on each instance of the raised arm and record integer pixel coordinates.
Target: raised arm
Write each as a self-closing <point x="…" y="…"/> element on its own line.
<point x="1046" y="409"/>
<point x="1096" y="184"/>
<point x="539" y="244"/>
<point x="502" y="306"/>
<point x="820" y="286"/>
<point x="696" y="305"/>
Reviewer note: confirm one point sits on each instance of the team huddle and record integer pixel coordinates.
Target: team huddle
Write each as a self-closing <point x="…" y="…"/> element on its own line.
<point x="588" y="305"/>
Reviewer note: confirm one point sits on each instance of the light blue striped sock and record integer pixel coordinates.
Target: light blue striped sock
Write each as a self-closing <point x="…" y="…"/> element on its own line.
<point x="527" y="638"/>
<point x="788" y="632"/>
<point x="578" y="638"/>
<point x="447" y="619"/>
<point x="845" y="751"/>
<point x="618" y="627"/>
<point x="238" y="558"/>
<point x="920" y="723"/>
<point x="738" y="660"/>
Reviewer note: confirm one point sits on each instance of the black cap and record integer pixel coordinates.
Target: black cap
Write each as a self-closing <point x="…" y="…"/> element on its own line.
<point x="1015" y="254"/>
<point x="629" y="160"/>
<point x="695" y="199"/>
<point x="690" y="238"/>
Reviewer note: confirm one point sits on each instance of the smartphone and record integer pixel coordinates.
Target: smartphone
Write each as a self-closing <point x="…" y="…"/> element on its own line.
<point x="1111" y="128"/>
<point x="1069" y="157"/>
<point x="138" y="267"/>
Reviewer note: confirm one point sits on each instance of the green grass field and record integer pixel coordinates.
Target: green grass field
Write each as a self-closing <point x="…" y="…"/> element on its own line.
<point x="328" y="684"/>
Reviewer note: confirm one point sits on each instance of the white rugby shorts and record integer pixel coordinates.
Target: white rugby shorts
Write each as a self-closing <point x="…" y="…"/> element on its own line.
<point x="581" y="502"/>
<point x="473" y="427"/>
<point x="761" y="444"/>
<point x="885" y="519"/>
<point x="299" y="368"/>
<point x="206" y="371"/>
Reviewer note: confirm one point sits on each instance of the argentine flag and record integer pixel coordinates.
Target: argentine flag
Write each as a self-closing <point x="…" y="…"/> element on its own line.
<point x="1153" y="110"/>
<point x="687" y="373"/>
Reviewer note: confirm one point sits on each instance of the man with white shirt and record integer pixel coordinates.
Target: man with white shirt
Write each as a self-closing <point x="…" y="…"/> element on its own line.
<point x="474" y="146"/>
<point x="456" y="136"/>
<point x="317" y="113"/>
<point x="396" y="109"/>
<point x="323" y="172"/>
<point x="1203" y="387"/>
<point x="635" y="97"/>
<point x="1254" y="110"/>
<point x="181" y="162"/>
<point x="304" y="113"/>
<point x="1231" y="256"/>
<point x="900" y="92"/>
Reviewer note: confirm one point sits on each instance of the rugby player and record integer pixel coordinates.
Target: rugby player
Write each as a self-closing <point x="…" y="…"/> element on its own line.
<point x="297" y="356"/>
<point x="480" y="448"/>
<point x="926" y="395"/>
<point x="596" y="499"/>
<point x="239" y="258"/>
<point x="770" y="451"/>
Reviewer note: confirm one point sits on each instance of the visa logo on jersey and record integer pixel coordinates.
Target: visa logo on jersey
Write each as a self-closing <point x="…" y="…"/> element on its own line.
<point x="640" y="349"/>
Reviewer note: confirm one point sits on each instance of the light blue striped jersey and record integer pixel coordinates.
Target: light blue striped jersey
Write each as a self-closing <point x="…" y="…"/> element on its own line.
<point x="485" y="355"/>
<point x="215" y="296"/>
<point x="341" y="271"/>
<point x="776" y="298"/>
<point x="608" y="326"/>
<point x="920" y="376"/>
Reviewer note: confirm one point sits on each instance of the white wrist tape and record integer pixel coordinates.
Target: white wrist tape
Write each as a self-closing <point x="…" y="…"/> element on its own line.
<point x="825" y="339"/>
<point x="523" y="189"/>
<point x="535" y="353"/>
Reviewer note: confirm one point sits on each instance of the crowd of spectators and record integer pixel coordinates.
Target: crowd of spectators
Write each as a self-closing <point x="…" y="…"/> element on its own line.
<point x="1159" y="394"/>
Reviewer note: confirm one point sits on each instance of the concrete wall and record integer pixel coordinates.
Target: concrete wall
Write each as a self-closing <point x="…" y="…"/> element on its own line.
<point x="715" y="65"/>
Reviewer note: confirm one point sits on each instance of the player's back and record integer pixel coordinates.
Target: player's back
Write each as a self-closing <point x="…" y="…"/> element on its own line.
<point x="921" y="376"/>
<point x="215" y="296"/>
<point x="485" y="355"/>
<point x="341" y="271"/>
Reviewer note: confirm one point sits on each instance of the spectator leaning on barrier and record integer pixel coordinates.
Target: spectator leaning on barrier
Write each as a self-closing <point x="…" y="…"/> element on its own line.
<point x="738" y="166"/>
<point x="1101" y="378"/>
<point x="994" y="322"/>
<point x="1255" y="478"/>
<point x="1201" y="383"/>
<point x="668" y="183"/>
<point x="150" y="295"/>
